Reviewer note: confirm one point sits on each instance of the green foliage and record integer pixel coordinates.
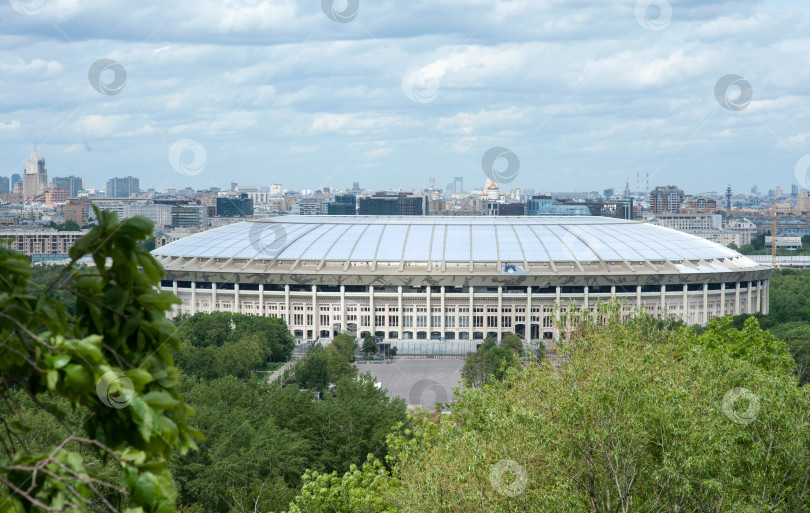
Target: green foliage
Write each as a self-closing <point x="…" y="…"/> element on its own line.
<point x="322" y="366"/>
<point x="633" y="419"/>
<point x="111" y="362"/>
<point x="513" y="343"/>
<point x="261" y="439"/>
<point x="227" y="344"/>
<point x="360" y="490"/>
<point x="489" y="362"/>
<point x="67" y="226"/>
<point x="369" y="344"/>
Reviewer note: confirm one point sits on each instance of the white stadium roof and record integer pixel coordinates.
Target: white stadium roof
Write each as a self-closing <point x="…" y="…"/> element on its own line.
<point x="436" y="239"/>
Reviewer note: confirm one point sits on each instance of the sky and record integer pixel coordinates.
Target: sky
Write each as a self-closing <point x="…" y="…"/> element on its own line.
<point x="573" y="95"/>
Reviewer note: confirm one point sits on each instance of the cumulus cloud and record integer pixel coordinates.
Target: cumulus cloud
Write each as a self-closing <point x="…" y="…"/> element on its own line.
<point x="567" y="84"/>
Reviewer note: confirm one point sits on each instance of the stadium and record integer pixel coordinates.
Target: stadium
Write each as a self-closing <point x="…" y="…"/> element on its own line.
<point x="454" y="278"/>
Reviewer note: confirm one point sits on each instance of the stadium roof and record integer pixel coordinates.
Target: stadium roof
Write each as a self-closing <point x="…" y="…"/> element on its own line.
<point x="441" y="240"/>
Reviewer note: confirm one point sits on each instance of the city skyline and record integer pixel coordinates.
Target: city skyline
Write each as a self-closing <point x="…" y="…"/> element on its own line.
<point x="276" y="92"/>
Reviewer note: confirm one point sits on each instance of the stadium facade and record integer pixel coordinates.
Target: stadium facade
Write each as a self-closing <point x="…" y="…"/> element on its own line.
<point x="454" y="278"/>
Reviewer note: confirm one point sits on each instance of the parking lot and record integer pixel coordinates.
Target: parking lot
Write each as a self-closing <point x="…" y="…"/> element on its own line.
<point x="421" y="382"/>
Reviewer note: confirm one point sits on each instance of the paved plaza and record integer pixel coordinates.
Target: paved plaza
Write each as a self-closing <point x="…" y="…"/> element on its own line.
<point x="421" y="382"/>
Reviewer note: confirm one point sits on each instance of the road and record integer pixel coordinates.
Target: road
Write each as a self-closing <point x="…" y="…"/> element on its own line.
<point x="421" y="382"/>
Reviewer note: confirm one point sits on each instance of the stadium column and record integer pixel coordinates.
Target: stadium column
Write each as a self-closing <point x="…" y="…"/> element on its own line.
<point x="585" y="291"/>
<point x="442" y="304"/>
<point x="766" y="307"/>
<point x="399" y="311"/>
<point x="342" y="308"/>
<point x="429" y="313"/>
<point x="261" y="299"/>
<point x="237" y="308"/>
<point x="663" y="301"/>
<point x="471" y="313"/>
<point x="748" y="302"/>
<point x="737" y="300"/>
<point x="685" y="315"/>
<point x="214" y="307"/>
<point x="373" y="316"/>
<point x="316" y="315"/>
<point x="759" y="293"/>
<point x="528" y="325"/>
<point x="638" y="296"/>
<point x="193" y="297"/>
<point x="287" y="315"/>
<point x="705" y="302"/>
<point x="559" y="304"/>
<point x="722" y="299"/>
<point x="174" y="291"/>
<point x="500" y="312"/>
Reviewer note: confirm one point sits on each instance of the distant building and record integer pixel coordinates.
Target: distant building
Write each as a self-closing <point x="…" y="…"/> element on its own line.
<point x="541" y="205"/>
<point x="511" y="209"/>
<point x="666" y="199"/>
<point x="233" y="206"/>
<point x="618" y="209"/>
<point x="275" y="189"/>
<point x="123" y="187"/>
<point x="803" y="203"/>
<point x="42" y="243"/>
<point x="15" y="178"/>
<point x="608" y="193"/>
<point x="73" y="184"/>
<point x="78" y="211"/>
<point x="402" y="204"/>
<point x="35" y="177"/>
<point x="5" y="188"/>
<point x="344" y="205"/>
<point x="702" y="205"/>
<point x="790" y="243"/>
<point x="536" y="205"/>
<point x="688" y="222"/>
<point x="309" y="206"/>
<point x="458" y="185"/>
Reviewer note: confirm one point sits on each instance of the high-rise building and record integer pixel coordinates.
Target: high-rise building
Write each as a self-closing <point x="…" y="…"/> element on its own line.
<point x="401" y="204"/>
<point x="356" y="186"/>
<point x="666" y="199"/>
<point x="122" y="187"/>
<point x="4" y="186"/>
<point x="234" y="206"/>
<point x="804" y="201"/>
<point x="78" y="211"/>
<point x="344" y="205"/>
<point x="608" y="193"/>
<point x="15" y="178"/>
<point x="73" y="184"/>
<point x="458" y="185"/>
<point x="35" y="177"/>
<point x="778" y="191"/>
<point x="794" y="190"/>
<point x="754" y="190"/>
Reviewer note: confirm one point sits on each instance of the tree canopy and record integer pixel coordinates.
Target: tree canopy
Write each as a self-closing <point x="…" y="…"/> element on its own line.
<point x="105" y="374"/>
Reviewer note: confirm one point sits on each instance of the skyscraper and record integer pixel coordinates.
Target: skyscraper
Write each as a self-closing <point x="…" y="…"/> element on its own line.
<point x="4" y="188"/>
<point x="35" y="178"/>
<point x="122" y="187"/>
<point x="73" y="184"/>
<point x="15" y="178"/>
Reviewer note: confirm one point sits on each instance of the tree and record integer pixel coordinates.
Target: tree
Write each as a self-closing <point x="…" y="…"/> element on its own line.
<point x="369" y="344"/>
<point x="110" y="362"/>
<point x="733" y="246"/>
<point x="635" y="418"/>
<point x="490" y="362"/>
<point x="513" y="343"/>
<point x="346" y="344"/>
